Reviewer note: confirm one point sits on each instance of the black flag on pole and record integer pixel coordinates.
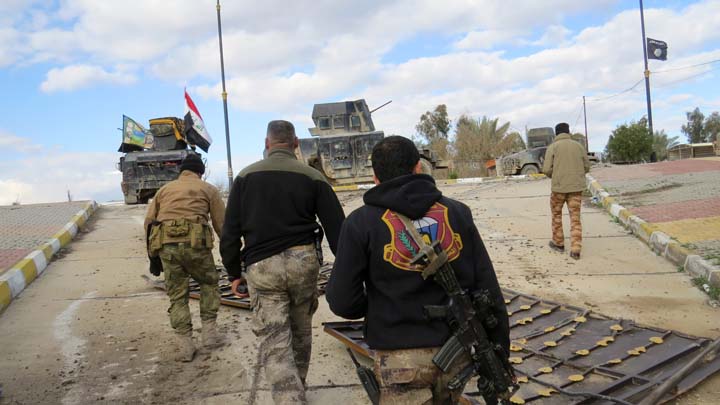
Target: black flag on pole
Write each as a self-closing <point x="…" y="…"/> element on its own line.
<point x="656" y="49"/>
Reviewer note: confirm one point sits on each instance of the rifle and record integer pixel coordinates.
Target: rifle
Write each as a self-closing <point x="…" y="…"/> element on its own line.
<point x="469" y="317"/>
<point x="367" y="378"/>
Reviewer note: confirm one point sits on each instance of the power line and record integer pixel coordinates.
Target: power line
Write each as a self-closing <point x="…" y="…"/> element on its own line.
<point x="687" y="67"/>
<point x="578" y="116"/>
<point x="629" y="89"/>
<point x="688" y="78"/>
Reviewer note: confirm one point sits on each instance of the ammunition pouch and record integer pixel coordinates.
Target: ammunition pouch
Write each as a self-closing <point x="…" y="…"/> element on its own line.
<point x="155" y="242"/>
<point x="182" y="230"/>
<point x="176" y="228"/>
<point x="201" y="236"/>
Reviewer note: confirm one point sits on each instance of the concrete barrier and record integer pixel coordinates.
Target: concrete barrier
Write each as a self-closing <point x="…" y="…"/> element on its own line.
<point x="24" y="272"/>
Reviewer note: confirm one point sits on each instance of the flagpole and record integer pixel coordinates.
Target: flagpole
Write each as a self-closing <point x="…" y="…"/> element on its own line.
<point x="647" y="71"/>
<point x="224" y="97"/>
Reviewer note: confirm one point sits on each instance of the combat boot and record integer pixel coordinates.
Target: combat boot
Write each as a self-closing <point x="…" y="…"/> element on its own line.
<point x="209" y="335"/>
<point x="186" y="347"/>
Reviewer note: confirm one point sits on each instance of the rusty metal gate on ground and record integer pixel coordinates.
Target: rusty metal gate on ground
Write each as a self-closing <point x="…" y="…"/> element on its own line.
<point x="568" y="355"/>
<point x="561" y="354"/>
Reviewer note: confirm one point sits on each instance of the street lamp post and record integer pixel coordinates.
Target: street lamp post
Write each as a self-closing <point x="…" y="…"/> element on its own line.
<point x="224" y="97"/>
<point x="647" y="71"/>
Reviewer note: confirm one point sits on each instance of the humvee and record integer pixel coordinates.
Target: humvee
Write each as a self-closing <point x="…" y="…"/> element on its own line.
<point x="145" y="170"/>
<point x="528" y="161"/>
<point x="342" y="142"/>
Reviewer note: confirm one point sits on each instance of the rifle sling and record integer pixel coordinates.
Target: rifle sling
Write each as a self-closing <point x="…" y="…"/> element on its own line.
<point x="436" y="260"/>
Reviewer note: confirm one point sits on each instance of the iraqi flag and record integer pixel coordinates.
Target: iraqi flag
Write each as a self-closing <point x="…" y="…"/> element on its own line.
<point x="195" y="131"/>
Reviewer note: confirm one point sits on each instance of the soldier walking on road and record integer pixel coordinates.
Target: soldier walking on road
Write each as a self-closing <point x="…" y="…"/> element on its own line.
<point x="182" y="238"/>
<point x="373" y="276"/>
<point x="272" y="208"/>
<point x="566" y="162"/>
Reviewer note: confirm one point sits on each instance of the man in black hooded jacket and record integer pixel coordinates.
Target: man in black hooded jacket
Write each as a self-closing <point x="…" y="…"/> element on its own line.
<point x="373" y="277"/>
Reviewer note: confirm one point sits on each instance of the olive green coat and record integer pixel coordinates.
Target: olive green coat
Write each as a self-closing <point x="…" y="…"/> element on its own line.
<point x="566" y="162"/>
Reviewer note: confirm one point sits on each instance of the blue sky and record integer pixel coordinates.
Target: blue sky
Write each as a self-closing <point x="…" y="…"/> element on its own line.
<point x="71" y="68"/>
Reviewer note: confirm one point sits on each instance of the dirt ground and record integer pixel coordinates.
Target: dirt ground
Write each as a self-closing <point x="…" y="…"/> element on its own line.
<point x="91" y="331"/>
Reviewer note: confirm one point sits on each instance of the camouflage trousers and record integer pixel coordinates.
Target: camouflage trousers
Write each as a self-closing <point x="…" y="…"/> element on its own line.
<point x="574" y="202"/>
<point x="409" y="377"/>
<point x="283" y="291"/>
<point x="180" y="262"/>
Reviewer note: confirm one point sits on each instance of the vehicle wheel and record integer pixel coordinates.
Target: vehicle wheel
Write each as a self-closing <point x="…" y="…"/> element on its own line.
<point x="529" y="169"/>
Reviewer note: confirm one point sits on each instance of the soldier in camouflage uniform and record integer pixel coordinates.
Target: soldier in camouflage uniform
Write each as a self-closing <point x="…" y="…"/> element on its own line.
<point x="183" y="240"/>
<point x="271" y="227"/>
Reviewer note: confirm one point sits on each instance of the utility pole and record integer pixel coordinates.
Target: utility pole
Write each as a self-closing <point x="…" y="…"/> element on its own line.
<point x="224" y="97"/>
<point x="647" y="71"/>
<point x="587" y="146"/>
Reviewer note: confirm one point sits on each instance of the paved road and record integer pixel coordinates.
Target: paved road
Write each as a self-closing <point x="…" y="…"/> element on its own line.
<point x="25" y="227"/>
<point x="89" y="330"/>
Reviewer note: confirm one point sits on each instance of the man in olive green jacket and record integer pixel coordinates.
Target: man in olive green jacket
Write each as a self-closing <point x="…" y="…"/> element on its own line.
<point x="566" y="163"/>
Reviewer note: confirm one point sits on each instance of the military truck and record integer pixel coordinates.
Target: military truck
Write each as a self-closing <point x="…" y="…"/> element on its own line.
<point x="528" y="161"/>
<point x="146" y="169"/>
<point x="342" y="142"/>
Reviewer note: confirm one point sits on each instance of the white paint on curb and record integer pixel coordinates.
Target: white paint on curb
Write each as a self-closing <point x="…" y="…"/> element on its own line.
<point x="72" y="228"/>
<point x="615" y="209"/>
<point x="55" y="243"/>
<point x="38" y="256"/>
<point x="698" y="267"/>
<point x="470" y="180"/>
<point x="16" y="280"/>
<point x="659" y="241"/>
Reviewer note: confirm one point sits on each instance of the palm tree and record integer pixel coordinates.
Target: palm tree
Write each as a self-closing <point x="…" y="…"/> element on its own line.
<point x="661" y="144"/>
<point x="479" y="140"/>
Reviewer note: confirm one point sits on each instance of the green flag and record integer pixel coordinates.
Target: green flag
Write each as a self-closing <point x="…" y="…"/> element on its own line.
<point x="135" y="136"/>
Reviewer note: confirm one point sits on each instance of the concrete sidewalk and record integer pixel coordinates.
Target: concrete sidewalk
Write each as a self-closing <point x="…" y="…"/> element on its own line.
<point x="672" y="206"/>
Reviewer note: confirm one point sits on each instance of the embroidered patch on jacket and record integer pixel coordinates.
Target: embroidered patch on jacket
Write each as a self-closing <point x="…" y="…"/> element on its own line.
<point x="434" y="226"/>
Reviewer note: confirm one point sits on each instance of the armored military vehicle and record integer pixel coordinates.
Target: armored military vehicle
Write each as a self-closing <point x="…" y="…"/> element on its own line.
<point x="342" y="142"/>
<point x="148" y="167"/>
<point x="528" y="161"/>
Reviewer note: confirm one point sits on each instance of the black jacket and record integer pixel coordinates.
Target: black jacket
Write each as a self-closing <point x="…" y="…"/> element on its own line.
<point x="273" y="205"/>
<point x="372" y="279"/>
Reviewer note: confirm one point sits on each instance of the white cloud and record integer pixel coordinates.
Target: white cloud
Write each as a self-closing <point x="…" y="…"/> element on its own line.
<point x="487" y="39"/>
<point x="554" y="35"/>
<point x="283" y="56"/>
<point x="16" y="143"/>
<point x="48" y="176"/>
<point x="9" y="50"/>
<point x="75" y="77"/>
<point x="12" y="191"/>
